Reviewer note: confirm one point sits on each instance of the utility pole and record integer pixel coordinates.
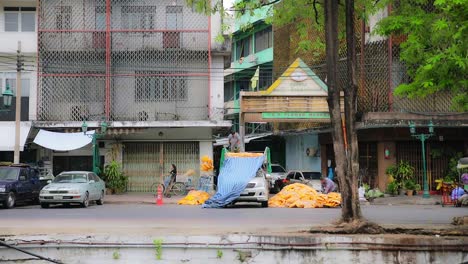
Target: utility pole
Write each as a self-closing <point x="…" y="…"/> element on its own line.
<point x="19" y="67"/>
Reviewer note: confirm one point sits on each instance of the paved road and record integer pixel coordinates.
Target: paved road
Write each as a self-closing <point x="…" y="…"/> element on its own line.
<point x="172" y="219"/>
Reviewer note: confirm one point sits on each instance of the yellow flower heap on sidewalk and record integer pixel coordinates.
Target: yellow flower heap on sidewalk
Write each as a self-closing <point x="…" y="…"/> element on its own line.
<point x="298" y="195"/>
<point x="206" y="164"/>
<point x="194" y="198"/>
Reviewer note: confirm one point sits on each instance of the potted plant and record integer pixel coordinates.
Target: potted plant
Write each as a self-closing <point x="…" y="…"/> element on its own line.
<point x="400" y="173"/>
<point x="392" y="188"/>
<point x="409" y="186"/>
<point x="417" y="188"/>
<point x="115" y="180"/>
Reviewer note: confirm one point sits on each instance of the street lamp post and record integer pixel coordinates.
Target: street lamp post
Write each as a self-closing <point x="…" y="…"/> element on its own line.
<point x="94" y="137"/>
<point x="423" y="137"/>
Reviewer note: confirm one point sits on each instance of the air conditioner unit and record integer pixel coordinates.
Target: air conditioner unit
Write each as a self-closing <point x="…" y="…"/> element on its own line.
<point x="311" y="152"/>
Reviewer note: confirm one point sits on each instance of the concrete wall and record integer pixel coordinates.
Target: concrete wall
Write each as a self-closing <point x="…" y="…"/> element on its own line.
<point x="246" y="249"/>
<point x="217" y="88"/>
<point x="9" y="40"/>
<point x="296" y="157"/>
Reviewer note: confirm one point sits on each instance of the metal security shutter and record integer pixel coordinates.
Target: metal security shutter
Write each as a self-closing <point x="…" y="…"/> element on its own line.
<point x="185" y="155"/>
<point x="141" y="162"/>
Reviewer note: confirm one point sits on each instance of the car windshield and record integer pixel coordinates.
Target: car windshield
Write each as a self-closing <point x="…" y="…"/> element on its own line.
<point x="70" y="178"/>
<point x="8" y="174"/>
<point x="277" y="169"/>
<point x="312" y="175"/>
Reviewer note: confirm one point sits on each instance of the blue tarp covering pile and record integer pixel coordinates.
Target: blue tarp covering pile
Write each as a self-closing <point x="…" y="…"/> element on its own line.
<point x="232" y="180"/>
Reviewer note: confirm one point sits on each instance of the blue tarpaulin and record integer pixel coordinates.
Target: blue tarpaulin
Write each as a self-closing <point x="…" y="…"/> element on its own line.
<point x="233" y="178"/>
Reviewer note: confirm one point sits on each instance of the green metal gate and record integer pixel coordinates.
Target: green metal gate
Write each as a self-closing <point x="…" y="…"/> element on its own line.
<point x="145" y="162"/>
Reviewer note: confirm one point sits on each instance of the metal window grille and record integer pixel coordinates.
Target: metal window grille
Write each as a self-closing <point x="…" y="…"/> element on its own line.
<point x="95" y="54"/>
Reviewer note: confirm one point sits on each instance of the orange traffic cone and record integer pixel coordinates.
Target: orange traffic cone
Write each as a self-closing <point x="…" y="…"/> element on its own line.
<point x="159" y="197"/>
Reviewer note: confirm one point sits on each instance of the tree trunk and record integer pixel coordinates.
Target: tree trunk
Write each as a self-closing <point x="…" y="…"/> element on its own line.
<point x="346" y="157"/>
<point x="351" y="209"/>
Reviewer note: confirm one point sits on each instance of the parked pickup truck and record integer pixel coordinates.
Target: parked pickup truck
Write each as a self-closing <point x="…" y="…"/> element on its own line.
<point x="19" y="183"/>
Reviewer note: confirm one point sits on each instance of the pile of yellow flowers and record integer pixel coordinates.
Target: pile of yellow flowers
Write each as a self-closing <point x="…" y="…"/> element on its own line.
<point x="299" y="195"/>
<point x="194" y="198"/>
<point x="206" y="164"/>
<point x="243" y="155"/>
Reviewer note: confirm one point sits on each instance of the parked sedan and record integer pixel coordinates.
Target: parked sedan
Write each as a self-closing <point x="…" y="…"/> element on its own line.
<point x="309" y="178"/>
<point x="73" y="187"/>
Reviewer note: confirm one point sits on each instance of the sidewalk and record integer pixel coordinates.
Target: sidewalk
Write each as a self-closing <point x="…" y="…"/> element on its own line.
<point x="139" y="198"/>
<point x="407" y="200"/>
<point x="148" y="198"/>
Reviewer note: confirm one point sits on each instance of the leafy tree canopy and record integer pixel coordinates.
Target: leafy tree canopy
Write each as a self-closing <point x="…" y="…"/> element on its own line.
<point x="436" y="49"/>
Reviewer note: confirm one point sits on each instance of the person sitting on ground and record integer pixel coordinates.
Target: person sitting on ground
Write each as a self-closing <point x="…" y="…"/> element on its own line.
<point x="457" y="193"/>
<point x="328" y="185"/>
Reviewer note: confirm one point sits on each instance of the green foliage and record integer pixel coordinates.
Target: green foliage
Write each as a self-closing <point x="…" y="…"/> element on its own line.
<point x="392" y="188"/>
<point x="366" y="187"/>
<point x="219" y="254"/>
<point x="158" y="247"/>
<point x="400" y="172"/>
<point x="436" y="50"/>
<point x="391" y="170"/>
<point x="114" y="177"/>
<point x="116" y="255"/>
<point x="452" y="173"/>
<point x="409" y="185"/>
<point x="417" y="187"/>
<point x="374" y="193"/>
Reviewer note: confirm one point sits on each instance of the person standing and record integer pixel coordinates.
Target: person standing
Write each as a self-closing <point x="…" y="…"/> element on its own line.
<point x="234" y="141"/>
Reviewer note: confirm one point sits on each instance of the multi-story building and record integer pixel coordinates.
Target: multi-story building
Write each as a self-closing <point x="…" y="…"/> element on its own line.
<point x="383" y="118"/>
<point x="251" y="57"/>
<point x="18" y="24"/>
<point x="152" y="69"/>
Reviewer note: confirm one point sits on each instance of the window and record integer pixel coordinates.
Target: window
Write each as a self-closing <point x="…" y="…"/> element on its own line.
<point x="63" y="19"/>
<point x="277" y="169"/>
<point x="23" y="175"/>
<point x="290" y="175"/>
<point x="25" y="85"/>
<point x="243" y="48"/>
<point x="312" y="175"/>
<point x="265" y="77"/>
<point x="20" y="19"/>
<point x="160" y="88"/>
<point x="99" y="37"/>
<point x="174" y="21"/>
<point x="263" y="39"/>
<point x="138" y="17"/>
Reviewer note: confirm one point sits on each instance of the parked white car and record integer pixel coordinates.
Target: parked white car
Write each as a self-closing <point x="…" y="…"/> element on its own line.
<point x="73" y="187"/>
<point x="257" y="190"/>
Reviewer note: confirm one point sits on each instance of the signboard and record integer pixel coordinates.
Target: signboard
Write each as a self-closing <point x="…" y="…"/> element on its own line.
<point x="296" y="115"/>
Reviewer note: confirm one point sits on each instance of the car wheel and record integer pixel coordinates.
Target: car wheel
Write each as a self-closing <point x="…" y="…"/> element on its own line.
<point x="10" y="201"/>
<point x="44" y="205"/>
<point x="265" y="204"/>
<point x="85" y="202"/>
<point x="101" y="199"/>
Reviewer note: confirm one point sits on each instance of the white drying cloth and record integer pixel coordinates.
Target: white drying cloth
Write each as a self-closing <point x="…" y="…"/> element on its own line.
<point x="63" y="141"/>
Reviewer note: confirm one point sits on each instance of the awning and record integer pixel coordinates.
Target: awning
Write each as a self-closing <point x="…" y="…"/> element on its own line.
<point x="7" y="135"/>
<point x="63" y="141"/>
<point x="247" y="139"/>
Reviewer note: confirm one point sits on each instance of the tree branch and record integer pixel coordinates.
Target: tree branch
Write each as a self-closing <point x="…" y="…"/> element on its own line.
<point x="314" y="4"/>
